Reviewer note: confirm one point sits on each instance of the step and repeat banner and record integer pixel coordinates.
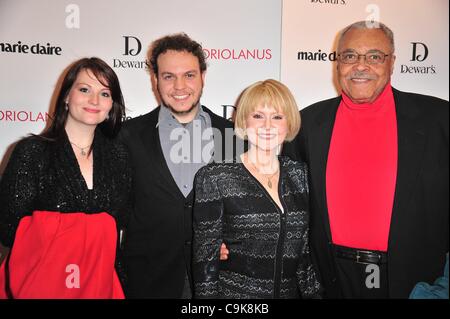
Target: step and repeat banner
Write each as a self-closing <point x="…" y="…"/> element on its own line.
<point x="241" y="40"/>
<point x="310" y="34"/>
<point x="245" y="41"/>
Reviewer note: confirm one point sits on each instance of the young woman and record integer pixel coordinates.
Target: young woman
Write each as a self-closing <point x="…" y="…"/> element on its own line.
<point x="65" y="193"/>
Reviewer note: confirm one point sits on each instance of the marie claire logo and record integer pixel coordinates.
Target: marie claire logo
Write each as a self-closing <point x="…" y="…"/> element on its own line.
<point x="342" y="2"/>
<point x="132" y="47"/>
<point x="238" y="54"/>
<point x="22" y="116"/>
<point x="419" y="53"/>
<point x="316" y="56"/>
<point x="36" y="48"/>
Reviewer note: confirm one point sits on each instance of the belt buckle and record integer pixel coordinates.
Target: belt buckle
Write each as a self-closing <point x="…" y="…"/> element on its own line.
<point x="358" y="256"/>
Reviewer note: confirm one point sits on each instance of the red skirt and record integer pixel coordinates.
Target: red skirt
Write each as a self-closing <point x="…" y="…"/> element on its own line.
<point x="62" y="255"/>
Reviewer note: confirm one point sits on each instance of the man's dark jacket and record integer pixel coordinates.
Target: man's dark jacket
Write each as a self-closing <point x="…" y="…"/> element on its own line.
<point x="419" y="230"/>
<point x="157" y="245"/>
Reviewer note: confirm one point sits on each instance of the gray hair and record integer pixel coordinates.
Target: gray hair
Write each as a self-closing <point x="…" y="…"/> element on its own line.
<point x="368" y="25"/>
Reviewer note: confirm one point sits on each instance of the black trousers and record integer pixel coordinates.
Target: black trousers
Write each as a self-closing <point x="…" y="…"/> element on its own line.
<point x="362" y="280"/>
<point x="187" y="293"/>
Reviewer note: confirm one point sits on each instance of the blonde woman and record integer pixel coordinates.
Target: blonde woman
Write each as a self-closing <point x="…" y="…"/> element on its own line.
<point x="257" y="206"/>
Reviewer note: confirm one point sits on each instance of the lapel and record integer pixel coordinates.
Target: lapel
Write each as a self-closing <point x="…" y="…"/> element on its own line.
<point x="224" y="139"/>
<point x="156" y="160"/>
<point x="216" y="156"/>
<point x="411" y="143"/>
<point x="318" y="145"/>
<point x="150" y="139"/>
<point x="65" y="157"/>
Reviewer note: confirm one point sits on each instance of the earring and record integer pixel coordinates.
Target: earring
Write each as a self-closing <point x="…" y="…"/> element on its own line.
<point x="66" y="105"/>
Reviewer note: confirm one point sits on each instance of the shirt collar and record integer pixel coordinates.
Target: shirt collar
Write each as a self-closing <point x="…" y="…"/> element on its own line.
<point x="385" y="97"/>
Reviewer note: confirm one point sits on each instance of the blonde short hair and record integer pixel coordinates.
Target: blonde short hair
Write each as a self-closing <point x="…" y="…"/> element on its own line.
<point x="271" y="93"/>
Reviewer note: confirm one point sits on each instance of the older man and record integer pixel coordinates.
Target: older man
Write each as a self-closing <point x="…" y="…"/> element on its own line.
<point x="379" y="175"/>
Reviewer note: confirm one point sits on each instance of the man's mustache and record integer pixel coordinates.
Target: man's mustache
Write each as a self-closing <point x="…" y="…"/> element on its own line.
<point x="361" y="76"/>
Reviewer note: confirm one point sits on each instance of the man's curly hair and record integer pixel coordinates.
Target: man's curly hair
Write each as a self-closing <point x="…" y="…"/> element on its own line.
<point x="176" y="42"/>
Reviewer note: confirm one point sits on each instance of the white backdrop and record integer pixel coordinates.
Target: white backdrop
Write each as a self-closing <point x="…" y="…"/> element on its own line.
<point x="99" y="28"/>
<point x="232" y="31"/>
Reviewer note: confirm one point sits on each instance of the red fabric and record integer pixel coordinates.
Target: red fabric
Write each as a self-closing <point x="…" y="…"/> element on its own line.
<point x="52" y="251"/>
<point x="361" y="172"/>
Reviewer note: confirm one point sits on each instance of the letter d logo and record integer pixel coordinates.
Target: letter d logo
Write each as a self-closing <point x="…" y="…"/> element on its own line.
<point x="129" y="51"/>
<point x="415" y="55"/>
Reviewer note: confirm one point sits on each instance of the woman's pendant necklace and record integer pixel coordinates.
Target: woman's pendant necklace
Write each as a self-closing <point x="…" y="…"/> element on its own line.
<point x="82" y="149"/>
<point x="268" y="176"/>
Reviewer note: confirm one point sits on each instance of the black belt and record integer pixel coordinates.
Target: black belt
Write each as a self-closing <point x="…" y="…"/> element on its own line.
<point x="361" y="256"/>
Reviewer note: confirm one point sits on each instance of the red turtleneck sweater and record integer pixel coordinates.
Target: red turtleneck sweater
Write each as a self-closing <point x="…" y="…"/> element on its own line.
<point x="361" y="172"/>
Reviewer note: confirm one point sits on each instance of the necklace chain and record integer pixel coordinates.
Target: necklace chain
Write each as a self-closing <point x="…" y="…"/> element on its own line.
<point x="82" y="149"/>
<point x="268" y="176"/>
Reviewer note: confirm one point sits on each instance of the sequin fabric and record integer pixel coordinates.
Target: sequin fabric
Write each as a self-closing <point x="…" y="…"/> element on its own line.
<point x="269" y="251"/>
<point x="45" y="175"/>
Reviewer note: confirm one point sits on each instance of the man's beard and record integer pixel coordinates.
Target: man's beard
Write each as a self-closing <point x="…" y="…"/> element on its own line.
<point x="174" y="111"/>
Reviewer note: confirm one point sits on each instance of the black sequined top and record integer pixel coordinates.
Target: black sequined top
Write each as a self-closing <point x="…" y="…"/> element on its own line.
<point x="45" y="175"/>
<point x="269" y="251"/>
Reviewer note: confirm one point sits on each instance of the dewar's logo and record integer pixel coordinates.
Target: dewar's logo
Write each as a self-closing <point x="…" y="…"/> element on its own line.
<point x="419" y="53"/>
<point x="132" y="47"/>
<point x="341" y="2"/>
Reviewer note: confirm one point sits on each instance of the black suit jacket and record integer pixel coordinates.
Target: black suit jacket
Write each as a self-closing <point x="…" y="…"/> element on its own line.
<point x="418" y="237"/>
<point x="157" y="248"/>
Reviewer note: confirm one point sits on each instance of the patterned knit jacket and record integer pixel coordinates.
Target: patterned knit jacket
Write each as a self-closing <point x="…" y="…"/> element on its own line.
<point x="269" y="252"/>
